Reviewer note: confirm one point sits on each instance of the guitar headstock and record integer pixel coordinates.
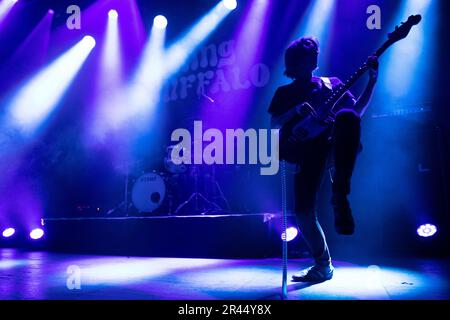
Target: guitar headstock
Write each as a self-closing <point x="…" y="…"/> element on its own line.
<point x="402" y="31"/>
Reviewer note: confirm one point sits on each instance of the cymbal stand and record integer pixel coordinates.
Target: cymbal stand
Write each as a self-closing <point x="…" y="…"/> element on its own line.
<point x="196" y="196"/>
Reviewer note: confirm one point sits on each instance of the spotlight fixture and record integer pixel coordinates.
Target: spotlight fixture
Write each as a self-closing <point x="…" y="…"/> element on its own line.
<point x="89" y="41"/>
<point x="160" y="22"/>
<point x="426" y="230"/>
<point x="9" y="232"/>
<point x="291" y="232"/>
<point x="230" y="4"/>
<point x="36" y="234"/>
<point x="113" y="14"/>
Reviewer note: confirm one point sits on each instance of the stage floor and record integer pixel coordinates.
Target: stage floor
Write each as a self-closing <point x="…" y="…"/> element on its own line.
<point x="44" y="275"/>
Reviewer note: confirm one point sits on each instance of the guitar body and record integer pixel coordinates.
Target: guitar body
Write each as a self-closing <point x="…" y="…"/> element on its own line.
<point x="295" y="133"/>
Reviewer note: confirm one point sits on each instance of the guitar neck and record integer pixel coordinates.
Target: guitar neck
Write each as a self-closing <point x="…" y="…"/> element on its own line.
<point x="341" y="90"/>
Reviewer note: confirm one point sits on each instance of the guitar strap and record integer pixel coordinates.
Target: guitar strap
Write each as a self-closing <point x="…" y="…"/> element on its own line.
<point x="330" y="161"/>
<point x="327" y="82"/>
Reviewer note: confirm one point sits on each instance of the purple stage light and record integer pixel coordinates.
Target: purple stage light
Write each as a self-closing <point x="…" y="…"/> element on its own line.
<point x="113" y="14"/>
<point x="160" y="22"/>
<point x="145" y="90"/>
<point x="109" y="97"/>
<point x="9" y="232"/>
<point x="179" y="52"/>
<point x="426" y="230"/>
<point x="36" y="234"/>
<point x="34" y="102"/>
<point x="291" y="232"/>
<point x="230" y="4"/>
<point x="5" y="7"/>
<point x="250" y="37"/>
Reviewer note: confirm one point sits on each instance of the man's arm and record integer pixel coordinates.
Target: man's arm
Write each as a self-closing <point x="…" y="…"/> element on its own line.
<point x="301" y="111"/>
<point x="363" y="101"/>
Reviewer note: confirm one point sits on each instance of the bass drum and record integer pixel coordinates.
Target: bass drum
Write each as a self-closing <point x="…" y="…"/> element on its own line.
<point x="148" y="192"/>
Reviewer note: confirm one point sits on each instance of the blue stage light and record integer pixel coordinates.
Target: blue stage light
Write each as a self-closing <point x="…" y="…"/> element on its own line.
<point x="230" y="4"/>
<point x="160" y="22"/>
<point x="427" y="230"/>
<point x="291" y="232"/>
<point x="410" y="59"/>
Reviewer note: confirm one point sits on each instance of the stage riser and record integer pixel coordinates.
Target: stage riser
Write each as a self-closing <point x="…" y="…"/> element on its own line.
<point x="208" y="237"/>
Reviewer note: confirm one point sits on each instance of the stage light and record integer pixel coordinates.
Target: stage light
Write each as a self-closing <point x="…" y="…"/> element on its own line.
<point x="230" y="4"/>
<point x="156" y="67"/>
<point x="411" y="59"/>
<point x="5" y="7"/>
<point x="160" y="22"/>
<point x="109" y="98"/>
<point x="291" y="232"/>
<point x="89" y="42"/>
<point x="319" y="18"/>
<point x="316" y="22"/>
<point x="145" y="89"/>
<point x="178" y="53"/>
<point x="37" y="99"/>
<point x="112" y="14"/>
<point x="250" y="37"/>
<point x="36" y="234"/>
<point x="31" y="55"/>
<point x="9" y="232"/>
<point x="427" y="230"/>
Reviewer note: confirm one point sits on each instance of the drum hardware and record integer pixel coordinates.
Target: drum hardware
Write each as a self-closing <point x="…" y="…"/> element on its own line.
<point x="222" y="195"/>
<point x="124" y="205"/>
<point x="196" y="196"/>
<point x="169" y="165"/>
<point x="170" y="188"/>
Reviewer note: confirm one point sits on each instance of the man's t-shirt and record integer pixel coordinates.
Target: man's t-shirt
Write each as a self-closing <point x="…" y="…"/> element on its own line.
<point x="316" y="92"/>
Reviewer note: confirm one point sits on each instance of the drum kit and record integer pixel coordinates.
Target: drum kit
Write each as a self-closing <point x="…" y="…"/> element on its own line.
<point x="178" y="189"/>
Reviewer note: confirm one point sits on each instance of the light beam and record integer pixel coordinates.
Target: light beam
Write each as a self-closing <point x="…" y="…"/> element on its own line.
<point x="5" y="8"/>
<point x="36" y="100"/>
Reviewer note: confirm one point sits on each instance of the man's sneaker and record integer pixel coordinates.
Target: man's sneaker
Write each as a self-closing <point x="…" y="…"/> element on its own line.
<point x="343" y="219"/>
<point x="314" y="274"/>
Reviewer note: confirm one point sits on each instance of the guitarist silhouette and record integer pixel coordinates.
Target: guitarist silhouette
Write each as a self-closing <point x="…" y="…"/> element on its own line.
<point x="340" y="142"/>
<point x="309" y="136"/>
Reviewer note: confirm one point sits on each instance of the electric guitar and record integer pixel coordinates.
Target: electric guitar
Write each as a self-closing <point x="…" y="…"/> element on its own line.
<point x="304" y="128"/>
